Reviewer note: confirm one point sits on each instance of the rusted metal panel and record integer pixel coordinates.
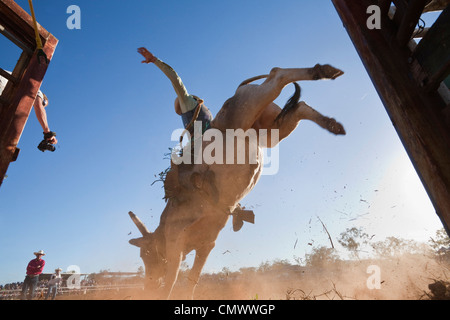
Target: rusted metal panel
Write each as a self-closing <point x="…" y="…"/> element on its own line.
<point x="415" y="114"/>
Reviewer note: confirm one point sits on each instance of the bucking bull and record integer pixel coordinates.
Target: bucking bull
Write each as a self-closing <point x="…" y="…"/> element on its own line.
<point x="201" y="196"/>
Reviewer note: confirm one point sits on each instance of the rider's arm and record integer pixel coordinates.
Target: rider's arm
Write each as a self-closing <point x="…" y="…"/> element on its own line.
<point x="178" y="85"/>
<point x="186" y="100"/>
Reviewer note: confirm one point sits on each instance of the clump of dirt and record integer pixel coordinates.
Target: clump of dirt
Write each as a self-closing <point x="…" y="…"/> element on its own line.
<point x="439" y="290"/>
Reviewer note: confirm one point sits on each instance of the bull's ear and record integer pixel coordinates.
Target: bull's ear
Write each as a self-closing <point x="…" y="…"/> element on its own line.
<point x="138" y="242"/>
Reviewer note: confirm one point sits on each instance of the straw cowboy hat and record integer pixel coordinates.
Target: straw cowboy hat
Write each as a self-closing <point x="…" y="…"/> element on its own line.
<point x="59" y="269"/>
<point x="40" y="253"/>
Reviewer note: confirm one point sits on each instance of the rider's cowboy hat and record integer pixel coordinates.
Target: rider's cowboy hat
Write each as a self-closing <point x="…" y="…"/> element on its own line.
<point x="40" y="253"/>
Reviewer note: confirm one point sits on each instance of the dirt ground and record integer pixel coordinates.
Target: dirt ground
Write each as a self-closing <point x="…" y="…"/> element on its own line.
<point x="400" y="279"/>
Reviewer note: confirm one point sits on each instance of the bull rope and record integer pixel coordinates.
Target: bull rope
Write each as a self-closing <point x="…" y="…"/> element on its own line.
<point x="39" y="46"/>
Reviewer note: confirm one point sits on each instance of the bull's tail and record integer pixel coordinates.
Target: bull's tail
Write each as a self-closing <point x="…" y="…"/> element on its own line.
<point x="253" y="79"/>
<point x="291" y="103"/>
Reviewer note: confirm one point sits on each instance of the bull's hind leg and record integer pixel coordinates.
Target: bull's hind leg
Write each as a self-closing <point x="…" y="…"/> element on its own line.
<point x="318" y="72"/>
<point x="307" y="113"/>
<point x="249" y="102"/>
<point x="286" y="124"/>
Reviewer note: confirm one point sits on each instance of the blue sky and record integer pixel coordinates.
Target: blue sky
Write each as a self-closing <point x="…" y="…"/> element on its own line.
<point x="114" y="118"/>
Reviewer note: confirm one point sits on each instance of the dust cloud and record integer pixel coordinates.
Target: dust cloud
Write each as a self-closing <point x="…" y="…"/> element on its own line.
<point x="405" y="277"/>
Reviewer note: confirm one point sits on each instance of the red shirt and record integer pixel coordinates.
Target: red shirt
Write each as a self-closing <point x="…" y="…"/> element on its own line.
<point x="35" y="267"/>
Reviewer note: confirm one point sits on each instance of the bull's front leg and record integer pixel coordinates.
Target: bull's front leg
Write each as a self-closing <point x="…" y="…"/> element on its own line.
<point x="201" y="255"/>
<point x="174" y="258"/>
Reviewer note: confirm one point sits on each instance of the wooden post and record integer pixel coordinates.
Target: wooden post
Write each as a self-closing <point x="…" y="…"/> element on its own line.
<point x="415" y="114"/>
<point x="433" y="52"/>
<point x="385" y="5"/>
<point x="29" y="73"/>
<point x="437" y="5"/>
<point x="409" y="21"/>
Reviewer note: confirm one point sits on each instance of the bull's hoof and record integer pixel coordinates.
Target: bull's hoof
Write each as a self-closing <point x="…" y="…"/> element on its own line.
<point x="237" y="222"/>
<point x="335" y="127"/>
<point x="326" y="72"/>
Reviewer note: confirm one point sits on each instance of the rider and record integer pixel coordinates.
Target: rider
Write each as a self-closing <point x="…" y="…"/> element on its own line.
<point x="186" y="105"/>
<point x="191" y="108"/>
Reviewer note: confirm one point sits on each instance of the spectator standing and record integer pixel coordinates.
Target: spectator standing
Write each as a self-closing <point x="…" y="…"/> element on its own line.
<point x="34" y="269"/>
<point x="53" y="284"/>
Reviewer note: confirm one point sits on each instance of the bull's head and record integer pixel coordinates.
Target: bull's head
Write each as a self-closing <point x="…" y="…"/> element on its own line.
<point x="152" y="253"/>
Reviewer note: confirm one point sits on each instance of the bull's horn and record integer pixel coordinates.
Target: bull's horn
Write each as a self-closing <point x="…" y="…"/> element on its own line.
<point x="142" y="228"/>
<point x="139" y="242"/>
